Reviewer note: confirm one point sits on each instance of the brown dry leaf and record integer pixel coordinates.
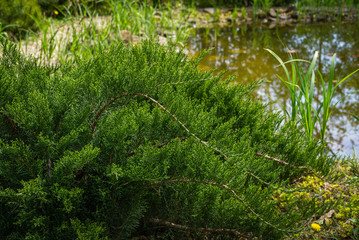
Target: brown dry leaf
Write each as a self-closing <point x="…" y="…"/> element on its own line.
<point x="327" y="215"/>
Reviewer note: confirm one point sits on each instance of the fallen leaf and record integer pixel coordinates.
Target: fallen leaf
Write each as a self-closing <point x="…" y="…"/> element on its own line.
<point x="327" y="215"/>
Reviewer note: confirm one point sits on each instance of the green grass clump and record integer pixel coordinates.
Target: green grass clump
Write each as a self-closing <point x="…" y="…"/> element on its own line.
<point x="135" y="139"/>
<point x="301" y="84"/>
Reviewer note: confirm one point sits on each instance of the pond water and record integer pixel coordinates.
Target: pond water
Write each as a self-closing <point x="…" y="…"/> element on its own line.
<point x="239" y="49"/>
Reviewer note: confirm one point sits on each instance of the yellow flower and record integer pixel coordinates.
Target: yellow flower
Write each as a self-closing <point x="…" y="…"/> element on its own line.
<point x="316" y="227"/>
<point x="56" y="12"/>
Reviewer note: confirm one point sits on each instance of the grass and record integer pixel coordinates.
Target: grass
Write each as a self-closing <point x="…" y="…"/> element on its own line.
<point x="3" y="28"/>
<point x="301" y="84"/>
<point x="46" y="37"/>
<point x="75" y="35"/>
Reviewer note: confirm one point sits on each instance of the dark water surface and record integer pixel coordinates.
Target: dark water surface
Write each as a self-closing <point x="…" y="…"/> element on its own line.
<point x="240" y="50"/>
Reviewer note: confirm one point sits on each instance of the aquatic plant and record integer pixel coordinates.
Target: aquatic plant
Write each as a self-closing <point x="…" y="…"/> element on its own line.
<point x="244" y="13"/>
<point x="235" y="14"/>
<point x="216" y="15"/>
<point x="262" y="4"/>
<point x="256" y="7"/>
<point x="301" y="84"/>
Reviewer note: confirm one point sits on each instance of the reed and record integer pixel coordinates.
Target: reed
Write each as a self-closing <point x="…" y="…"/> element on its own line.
<point x="235" y="14"/>
<point x="244" y="13"/>
<point x="301" y="85"/>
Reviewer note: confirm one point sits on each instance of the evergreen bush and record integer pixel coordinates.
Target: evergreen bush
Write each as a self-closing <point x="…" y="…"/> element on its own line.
<point x="137" y="141"/>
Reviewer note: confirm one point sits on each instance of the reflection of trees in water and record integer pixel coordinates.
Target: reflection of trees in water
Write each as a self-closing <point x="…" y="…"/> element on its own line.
<point x="240" y="49"/>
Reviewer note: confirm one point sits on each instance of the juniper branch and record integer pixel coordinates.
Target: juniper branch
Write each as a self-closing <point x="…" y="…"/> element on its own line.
<point x="285" y="163"/>
<point x="224" y="187"/>
<point x="102" y="109"/>
<point x="272" y="186"/>
<point x="12" y="125"/>
<point x="99" y="113"/>
<point x="186" y="228"/>
<point x="177" y="83"/>
<point x="182" y="125"/>
<point x="160" y="145"/>
<point x="26" y="165"/>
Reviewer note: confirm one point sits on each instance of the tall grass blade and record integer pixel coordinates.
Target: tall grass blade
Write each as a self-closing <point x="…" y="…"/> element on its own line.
<point x="301" y="85"/>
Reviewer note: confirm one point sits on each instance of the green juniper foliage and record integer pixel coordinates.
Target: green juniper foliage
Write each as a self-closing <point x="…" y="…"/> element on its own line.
<point x="124" y="143"/>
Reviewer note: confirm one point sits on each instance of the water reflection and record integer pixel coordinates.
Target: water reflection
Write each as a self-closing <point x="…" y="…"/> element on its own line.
<point x="240" y="50"/>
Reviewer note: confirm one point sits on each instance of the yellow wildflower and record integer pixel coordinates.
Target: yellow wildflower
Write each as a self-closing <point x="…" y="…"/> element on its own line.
<point x="56" y="12"/>
<point x="316" y="227"/>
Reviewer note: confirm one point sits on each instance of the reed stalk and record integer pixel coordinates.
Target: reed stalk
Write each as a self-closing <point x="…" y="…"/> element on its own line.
<point x="301" y="85"/>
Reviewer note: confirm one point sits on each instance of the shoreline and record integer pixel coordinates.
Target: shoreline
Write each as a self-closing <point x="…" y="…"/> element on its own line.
<point x="276" y="15"/>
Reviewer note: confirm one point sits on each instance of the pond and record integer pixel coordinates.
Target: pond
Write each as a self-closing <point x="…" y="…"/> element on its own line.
<point x="239" y="49"/>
